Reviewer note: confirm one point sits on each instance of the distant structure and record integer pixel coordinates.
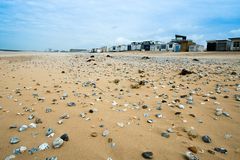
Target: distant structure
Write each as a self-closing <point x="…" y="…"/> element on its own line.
<point x="184" y="42"/>
<point x="77" y="50"/>
<point x="218" y="45"/>
<point x="179" y="44"/>
<point x="196" y="48"/>
<point x="235" y="44"/>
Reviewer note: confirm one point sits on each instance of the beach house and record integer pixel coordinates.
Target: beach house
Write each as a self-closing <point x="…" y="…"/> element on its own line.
<point x="218" y="45"/>
<point x="235" y="44"/>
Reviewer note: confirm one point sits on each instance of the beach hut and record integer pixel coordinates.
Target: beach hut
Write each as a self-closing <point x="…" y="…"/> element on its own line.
<point x="196" y="48"/>
<point x="146" y="45"/>
<point x="235" y="44"/>
<point x="218" y="45"/>
<point x="173" y="47"/>
<point x="136" y="46"/>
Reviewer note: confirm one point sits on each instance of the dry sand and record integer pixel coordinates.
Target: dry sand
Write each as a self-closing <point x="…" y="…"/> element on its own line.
<point x="52" y="75"/>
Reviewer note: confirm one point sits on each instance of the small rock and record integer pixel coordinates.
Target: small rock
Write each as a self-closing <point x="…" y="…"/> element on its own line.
<point x="49" y="131"/>
<point x="211" y="152"/>
<point x="10" y="157"/>
<point x="191" y="156"/>
<point x="147" y="155"/>
<point x="185" y="72"/>
<point x="30" y="117"/>
<point x="150" y="121"/>
<point x="71" y="104"/>
<point x="32" y="125"/>
<point x="158" y="115"/>
<point x="105" y="133"/>
<point x="33" y="150"/>
<point x="180" y="106"/>
<point x="193" y="149"/>
<point x="192" y="133"/>
<point x="13" y="126"/>
<point x="221" y="150"/>
<point x="23" y="128"/>
<point x="57" y="143"/>
<point x="20" y="150"/>
<point x="14" y="140"/>
<point x="52" y="158"/>
<point x="206" y="139"/>
<point x="65" y="137"/>
<point x="43" y="146"/>
<point x="48" y="110"/>
<point x="219" y="111"/>
<point x="165" y="134"/>
<point x="94" y="134"/>
<point x="38" y="121"/>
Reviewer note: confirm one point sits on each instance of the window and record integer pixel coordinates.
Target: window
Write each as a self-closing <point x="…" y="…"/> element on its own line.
<point x="170" y="45"/>
<point x="236" y="44"/>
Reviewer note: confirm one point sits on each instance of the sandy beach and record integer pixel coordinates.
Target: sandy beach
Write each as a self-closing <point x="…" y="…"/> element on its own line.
<point x="116" y="106"/>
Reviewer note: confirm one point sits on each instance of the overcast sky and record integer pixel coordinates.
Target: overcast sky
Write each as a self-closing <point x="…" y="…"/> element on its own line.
<point x="65" y="24"/>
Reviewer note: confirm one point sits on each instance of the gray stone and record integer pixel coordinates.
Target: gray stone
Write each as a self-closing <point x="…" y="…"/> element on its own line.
<point x="71" y="104"/>
<point x="49" y="131"/>
<point x="57" y="143"/>
<point x="33" y="150"/>
<point x="165" y="134"/>
<point x="22" y="128"/>
<point x="14" y="140"/>
<point x="147" y="155"/>
<point x="105" y="133"/>
<point x="10" y="157"/>
<point x="190" y="156"/>
<point x="19" y="150"/>
<point x="221" y="150"/>
<point x="52" y="158"/>
<point x="206" y="139"/>
<point x="43" y="146"/>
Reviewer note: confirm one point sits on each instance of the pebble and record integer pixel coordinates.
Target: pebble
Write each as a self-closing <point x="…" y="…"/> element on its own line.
<point x="32" y="125"/>
<point x="43" y="146"/>
<point x="94" y="134"/>
<point x="206" y="139"/>
<point x="19" y="150"/>
<point x="71" y="104"/>
<point x="221" y="150"/>
<point x="57" y="143"/>
<point x="158" y="115"/>
<point x="22" y="128"/>
<point x="30" y="117"/>
<point x="105" y="133"/>
<point x="191" y="156"/>
<point x="147" y="155"/>
<point x="192" y="133"/>
<point x="10" y="157"/>
<point x="33" y="150"/>
<point x="65" y="137"/>
<point x="38" y="120"/>
<point x="219" y="111"/>
<point x="190" y="100"/>
<point x="165" y="134"/>
<point x="13" y="126"/>
<point x="49" y="132"/>
<point x="14" y="140"/>
<point x="52" y="158"/>
<point x="48" y="110"/>
<point x="180" y="106"/>
<point x="150" y="121"/>
<point x="193" y="149"/>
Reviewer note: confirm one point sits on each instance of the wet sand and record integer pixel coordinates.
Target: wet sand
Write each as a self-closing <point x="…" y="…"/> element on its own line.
<point x="110" y="102"/>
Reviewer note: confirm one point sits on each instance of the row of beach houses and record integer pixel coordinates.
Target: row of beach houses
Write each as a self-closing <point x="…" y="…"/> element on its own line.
<point x="179" y="44"/>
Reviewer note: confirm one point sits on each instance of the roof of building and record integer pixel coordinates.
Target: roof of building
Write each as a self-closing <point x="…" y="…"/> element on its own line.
<point x="235" y="38"/>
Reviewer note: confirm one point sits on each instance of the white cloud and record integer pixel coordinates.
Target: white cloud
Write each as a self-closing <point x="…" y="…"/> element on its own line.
<point x="235" y="31"/>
